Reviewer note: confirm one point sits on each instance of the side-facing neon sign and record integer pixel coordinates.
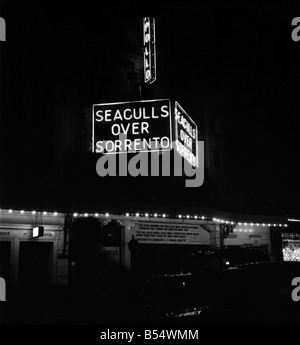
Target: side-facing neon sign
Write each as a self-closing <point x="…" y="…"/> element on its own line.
<point x="186" y="136"/>
<point x="149" y="50"/>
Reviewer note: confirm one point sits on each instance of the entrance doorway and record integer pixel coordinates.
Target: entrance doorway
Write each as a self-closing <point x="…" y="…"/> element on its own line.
<point x="5" y="266"/>
<point x="33" y="301"/>
<point x="34" y="265"/>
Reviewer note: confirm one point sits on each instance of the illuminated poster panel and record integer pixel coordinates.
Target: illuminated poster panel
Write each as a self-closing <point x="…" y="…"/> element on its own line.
<point x="139" y="126"/>
<point x="186" y="136"/>
<point x="149" y="50"/>
<point x="291" y="246"/>
<point x="170" y="233"/>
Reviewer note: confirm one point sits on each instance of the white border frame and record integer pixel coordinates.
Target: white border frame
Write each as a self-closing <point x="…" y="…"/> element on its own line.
<point x="132" y="102"/>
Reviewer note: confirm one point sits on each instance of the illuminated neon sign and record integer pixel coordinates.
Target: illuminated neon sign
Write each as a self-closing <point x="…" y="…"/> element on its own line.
<point x="125" y="127"/>
<point x="186" y="136"/>
<point x="149" y="50"/>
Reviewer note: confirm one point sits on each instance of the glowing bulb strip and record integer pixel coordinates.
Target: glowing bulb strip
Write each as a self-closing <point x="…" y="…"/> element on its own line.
<point x="10" y="211"/>
<point x="222" y="221"/>
<point x="154" y="215"/>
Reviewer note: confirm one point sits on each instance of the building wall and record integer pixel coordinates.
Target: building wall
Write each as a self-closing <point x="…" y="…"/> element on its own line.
<point x="162" y="241"/>
<point x="249" y="235"/>
<point x="164" y="232"/>
<point x="16" y="229"/>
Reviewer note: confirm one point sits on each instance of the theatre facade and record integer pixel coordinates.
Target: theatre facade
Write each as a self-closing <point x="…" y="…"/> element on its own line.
<point x="147" y="243"/>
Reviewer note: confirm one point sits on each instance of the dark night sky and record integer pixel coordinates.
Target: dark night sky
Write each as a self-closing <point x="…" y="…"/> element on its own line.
<point x="236" y="61"/>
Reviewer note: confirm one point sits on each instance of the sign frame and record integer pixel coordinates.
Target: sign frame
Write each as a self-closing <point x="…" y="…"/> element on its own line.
<point x="170" y="134"/>
<point x="176" y="134"/>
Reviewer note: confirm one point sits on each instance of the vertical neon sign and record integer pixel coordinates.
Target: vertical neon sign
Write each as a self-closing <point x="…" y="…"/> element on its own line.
<point x="149" y="50"/>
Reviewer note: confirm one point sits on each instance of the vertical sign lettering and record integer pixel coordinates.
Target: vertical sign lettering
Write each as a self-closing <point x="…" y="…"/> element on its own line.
<point x="149" y="50"/>
<point x="186" y="136"/>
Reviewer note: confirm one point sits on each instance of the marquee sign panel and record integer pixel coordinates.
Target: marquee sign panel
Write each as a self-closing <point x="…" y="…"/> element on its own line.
<point x="139" y="126"/>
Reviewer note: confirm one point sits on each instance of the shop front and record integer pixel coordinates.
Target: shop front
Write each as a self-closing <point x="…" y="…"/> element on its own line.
<point x="146" y="244"/>
<point x="26" y="260"/>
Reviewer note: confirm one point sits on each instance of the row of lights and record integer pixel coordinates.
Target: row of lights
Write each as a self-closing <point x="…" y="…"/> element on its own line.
<point x="125" y="214"/>
<point x="155" y="215"/>
<point x="191" y="217"/>
<point x="248" y="224"/>
<point x="32" y="212"/>
<point x="164" y="215"/>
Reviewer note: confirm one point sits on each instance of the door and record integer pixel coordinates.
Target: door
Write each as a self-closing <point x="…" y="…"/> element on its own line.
<point x="34" y="262"/>
<point x="5" y="266"/>
<point x="33" y="300"/>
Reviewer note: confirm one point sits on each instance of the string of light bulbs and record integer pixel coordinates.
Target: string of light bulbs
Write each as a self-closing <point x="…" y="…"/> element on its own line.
<point x="148" y="215"/>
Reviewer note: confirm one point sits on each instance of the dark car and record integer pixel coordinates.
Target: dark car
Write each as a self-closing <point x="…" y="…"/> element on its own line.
<point x="218" y="259"/>
<point x="256" y="293"/>
<point x="166" y="293"/>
